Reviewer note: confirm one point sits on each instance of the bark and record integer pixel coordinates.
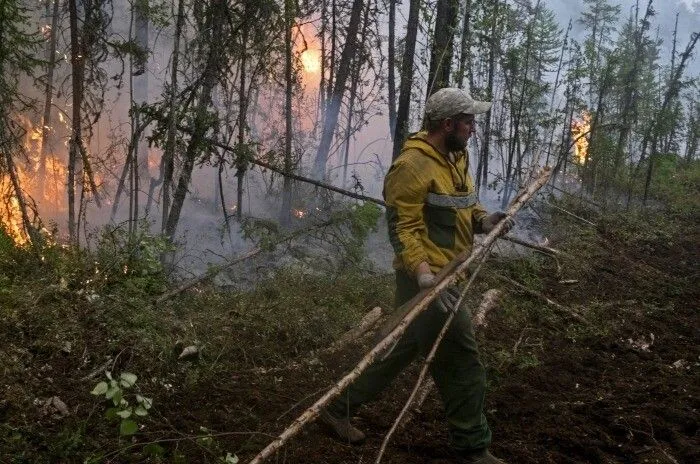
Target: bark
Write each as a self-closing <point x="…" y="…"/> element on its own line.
<point x="442" y="51"/>
<point x="167" y="165"/>
<point x="483" y="164"/>
<point x="354" y="79"/>
<point x="401" y="130"/>
<point x="213" y="64"/>
<point x="555" y="88"/>
<point x="465" y="53"/>
<point x="29" y="228"/>
<point x="286" y="211"/>
<point x="242" y="110"/>
<point x="77" y="63"/>
<point x="368" y="321"/>
<point x="48" y="99"/>
<point x="409" y="315"/>
<point x="391" y="63"/>
<point x="333" y="110"/>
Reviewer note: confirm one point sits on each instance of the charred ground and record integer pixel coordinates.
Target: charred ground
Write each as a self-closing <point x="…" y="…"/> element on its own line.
<point x="623" y="389"/>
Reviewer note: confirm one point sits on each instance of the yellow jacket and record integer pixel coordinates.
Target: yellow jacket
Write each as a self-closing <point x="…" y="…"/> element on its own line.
<point x="432" y="207"/>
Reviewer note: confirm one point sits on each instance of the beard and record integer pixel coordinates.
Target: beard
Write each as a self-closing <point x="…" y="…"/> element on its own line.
<point x="452" y="143"/>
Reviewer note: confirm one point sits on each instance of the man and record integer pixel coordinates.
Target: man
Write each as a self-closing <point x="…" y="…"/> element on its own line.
<point x="432" y="215"/>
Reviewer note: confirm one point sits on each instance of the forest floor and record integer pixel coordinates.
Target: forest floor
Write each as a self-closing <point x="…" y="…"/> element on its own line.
<point x="624" y="389"/>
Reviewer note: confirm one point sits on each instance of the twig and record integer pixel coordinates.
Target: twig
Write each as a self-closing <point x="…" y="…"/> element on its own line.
<point x="564" y="309"/>
<point x="543" y="249"/>
<point x="97" y="371"/>
<point x="462" y="268"/>
<point x="586" y="221"/>
<point x="214" y="270"/>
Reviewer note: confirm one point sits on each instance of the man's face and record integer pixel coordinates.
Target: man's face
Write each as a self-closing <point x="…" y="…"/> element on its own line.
<point x="462" y="128"/>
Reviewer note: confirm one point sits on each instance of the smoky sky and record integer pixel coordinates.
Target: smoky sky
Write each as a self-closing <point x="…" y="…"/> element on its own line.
<point x="663" y="21"/>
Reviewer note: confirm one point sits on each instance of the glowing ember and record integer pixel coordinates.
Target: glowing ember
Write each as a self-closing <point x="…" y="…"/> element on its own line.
<point x="579" y="131"/>
<point x="311" y="61"/>
<point x="299" y="213"/>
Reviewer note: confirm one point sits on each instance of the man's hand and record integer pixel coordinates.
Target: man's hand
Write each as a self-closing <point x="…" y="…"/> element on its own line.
<point x="490" y="221"/>
<point x="447" y="299"/>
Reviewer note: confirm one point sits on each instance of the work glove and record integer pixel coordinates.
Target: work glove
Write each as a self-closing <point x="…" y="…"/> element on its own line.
<point x="490" y="221"/>
<point x="447" y="299"/>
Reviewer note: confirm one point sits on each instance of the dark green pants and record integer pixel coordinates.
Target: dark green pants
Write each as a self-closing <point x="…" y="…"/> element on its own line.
<point x="456" y="369"/>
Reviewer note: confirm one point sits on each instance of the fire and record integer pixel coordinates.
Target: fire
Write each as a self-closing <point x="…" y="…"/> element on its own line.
<point x="579" y="131"/>
<point x="311" y="61"/>
<point x="299" y="213"/>
<point x="48" y="192"/>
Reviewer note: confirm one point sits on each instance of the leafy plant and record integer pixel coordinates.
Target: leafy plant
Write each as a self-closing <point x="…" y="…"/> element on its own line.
<point x="131" y="412"/>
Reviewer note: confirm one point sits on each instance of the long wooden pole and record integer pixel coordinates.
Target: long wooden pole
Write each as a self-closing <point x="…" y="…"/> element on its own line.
<point x="461" y="270"/>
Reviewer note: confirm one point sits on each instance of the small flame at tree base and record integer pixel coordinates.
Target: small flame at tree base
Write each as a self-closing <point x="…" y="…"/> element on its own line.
<point x="580" y="129"/>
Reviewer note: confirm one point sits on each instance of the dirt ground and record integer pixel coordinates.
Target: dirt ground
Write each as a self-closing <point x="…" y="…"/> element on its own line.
<point x="628" y="394"/>
<point x="627" y="391"/>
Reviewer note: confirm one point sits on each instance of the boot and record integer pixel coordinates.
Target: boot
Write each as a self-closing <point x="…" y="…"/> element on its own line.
<point x="342" y="428"/>
<point x="478" y="457"/>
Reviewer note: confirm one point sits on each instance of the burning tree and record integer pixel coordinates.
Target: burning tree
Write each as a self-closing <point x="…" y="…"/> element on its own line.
<point x="17" y="48"/>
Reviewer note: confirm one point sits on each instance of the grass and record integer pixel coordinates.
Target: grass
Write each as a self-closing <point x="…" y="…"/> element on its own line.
<point x="64" y="314"/>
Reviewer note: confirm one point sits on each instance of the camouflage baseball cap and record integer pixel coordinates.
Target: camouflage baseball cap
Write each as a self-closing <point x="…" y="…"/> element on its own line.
<point x="451" y="101"/>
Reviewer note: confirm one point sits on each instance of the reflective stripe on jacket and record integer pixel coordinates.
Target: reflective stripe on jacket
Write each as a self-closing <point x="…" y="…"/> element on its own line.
<point x="432" y="207"/>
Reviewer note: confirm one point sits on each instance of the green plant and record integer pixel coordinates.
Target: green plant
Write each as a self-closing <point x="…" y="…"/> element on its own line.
<point x="114" y="390"/>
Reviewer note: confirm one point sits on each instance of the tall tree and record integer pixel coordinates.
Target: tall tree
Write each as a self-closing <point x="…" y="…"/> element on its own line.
<point x="401" y="129"/>
<point x="442" y="49"/>
<point x="333" y="110"/>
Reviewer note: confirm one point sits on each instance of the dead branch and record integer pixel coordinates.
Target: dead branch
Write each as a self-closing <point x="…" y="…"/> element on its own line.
<point x="586" y="221"/>
<point x="543" y="249"/>
<point x="368" y="321"/>
<point x="409" y="316"/>
<point x="214" y="270"/>
<point x="568" y="311"/>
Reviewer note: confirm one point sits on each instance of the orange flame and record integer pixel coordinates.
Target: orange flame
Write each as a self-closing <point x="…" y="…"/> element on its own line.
<point x="579" y="130"/>
<point x="50" y="193"/>
<point x="299" y="213"/>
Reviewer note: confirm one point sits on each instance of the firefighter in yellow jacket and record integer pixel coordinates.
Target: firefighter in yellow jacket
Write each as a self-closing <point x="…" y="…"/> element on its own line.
<point x="432" y="215"/>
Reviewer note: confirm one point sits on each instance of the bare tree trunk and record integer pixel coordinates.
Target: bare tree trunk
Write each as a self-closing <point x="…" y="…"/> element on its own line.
<point x="391" y="63"/>
<point x="77" y="64"/>
<point x="48" y="99"/>
<point x="168" y="162"/>
<point x="333" y="110"/>
<point x="286" y="211"/>
<point x="212" y="67"/>
<point x="555" y="88"/>
<point x="465" y="46"/>
<point x="401" y="130"/>
<point x="354" y="79"/>
<point x="483" y="164"/>
<point x="442" y="50"/>
<point x="242" y="110"/>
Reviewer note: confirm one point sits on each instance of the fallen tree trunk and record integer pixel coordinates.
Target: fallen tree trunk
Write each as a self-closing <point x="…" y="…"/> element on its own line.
<point x="368" y="321"/>
<point x="409" y="315"/>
